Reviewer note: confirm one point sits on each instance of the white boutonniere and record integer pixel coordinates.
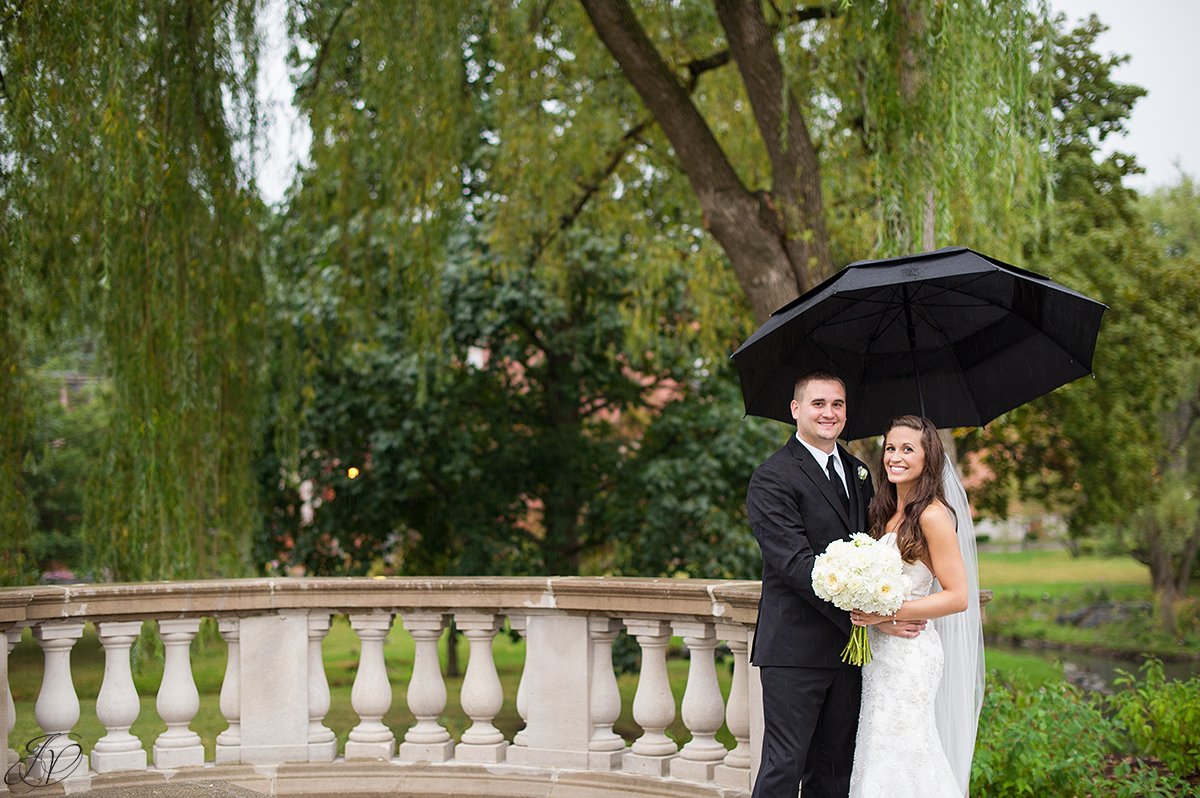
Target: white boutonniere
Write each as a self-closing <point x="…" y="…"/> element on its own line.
<point x="862" y="474"/>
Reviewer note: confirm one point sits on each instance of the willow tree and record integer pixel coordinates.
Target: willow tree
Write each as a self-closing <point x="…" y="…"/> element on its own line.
<point x="129" y="210"/>
<point x="726" y="134"/>
<point x="475" y="155"/>
<point x="504" y="132"/>
<point x="805" y="135"/>
<point x="930" y="96"/>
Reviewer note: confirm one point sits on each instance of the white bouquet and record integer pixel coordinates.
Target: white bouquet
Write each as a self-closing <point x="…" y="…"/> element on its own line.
<point x="860" y="574"/>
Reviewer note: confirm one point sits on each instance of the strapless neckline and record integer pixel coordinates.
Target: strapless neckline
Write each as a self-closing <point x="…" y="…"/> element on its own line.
<point x="920" y="579"/>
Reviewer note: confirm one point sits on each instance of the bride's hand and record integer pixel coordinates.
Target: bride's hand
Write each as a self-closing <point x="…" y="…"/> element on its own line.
<point x="860" y="618"/>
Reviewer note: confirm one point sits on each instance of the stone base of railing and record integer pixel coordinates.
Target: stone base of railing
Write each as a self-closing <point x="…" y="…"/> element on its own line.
<point x="392" y="778"/>
<point x="275" y="693"/>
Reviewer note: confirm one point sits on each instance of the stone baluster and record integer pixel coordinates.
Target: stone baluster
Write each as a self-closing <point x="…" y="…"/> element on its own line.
<point x="653" y="704"/>
<point x="703" y="708"/>
<point x="482" y="695"/>
<point x="12" y="636"/>
<point x="57" y="707"/>
<point x="517" y="622"/>
<point x="322" y="742"/>
<point x="178" y="699"/>
<point x="371" y="695"/>
<point x="117" y="705"/>
<point x="427" y="740"/>
<point x="606" y="748"/>
<point x="735" y="770"/>
<point x="229" y="742"/>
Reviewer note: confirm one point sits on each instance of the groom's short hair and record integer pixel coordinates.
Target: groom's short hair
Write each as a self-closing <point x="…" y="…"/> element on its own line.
<point x="813" y="376"/>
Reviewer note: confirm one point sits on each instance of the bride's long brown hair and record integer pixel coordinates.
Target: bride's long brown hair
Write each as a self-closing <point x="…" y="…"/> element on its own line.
<point x="928" y="488"/>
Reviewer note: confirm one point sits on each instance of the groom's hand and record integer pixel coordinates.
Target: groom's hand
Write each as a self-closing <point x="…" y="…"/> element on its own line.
<point x="907" y="629"/>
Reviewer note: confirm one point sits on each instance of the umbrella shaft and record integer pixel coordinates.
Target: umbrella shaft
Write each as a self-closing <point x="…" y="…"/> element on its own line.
<point x="912" y="347"/>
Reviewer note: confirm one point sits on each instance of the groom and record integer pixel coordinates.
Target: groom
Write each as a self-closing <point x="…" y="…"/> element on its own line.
<point x="808" y="494"/>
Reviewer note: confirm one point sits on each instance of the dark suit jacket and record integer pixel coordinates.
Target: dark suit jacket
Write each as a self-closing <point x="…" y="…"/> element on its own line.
<point x="795" y="515"/>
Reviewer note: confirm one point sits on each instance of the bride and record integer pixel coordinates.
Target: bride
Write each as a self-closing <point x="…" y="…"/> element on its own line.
<point x="916" y="728"/>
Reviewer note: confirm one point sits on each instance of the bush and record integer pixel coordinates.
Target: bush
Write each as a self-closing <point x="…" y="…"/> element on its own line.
<point x="1046" y="742"/>
<point x="1057" y="740"/>
<point x="1160" y="718"/>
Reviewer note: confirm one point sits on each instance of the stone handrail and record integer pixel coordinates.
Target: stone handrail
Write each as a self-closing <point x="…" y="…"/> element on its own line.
<point x="275" y="695"/>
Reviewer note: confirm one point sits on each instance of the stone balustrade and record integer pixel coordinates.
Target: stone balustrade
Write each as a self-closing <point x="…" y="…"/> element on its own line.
<point x="275" y="693"/>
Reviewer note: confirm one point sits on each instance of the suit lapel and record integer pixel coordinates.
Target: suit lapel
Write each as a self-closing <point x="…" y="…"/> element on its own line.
<point x="816" y="472"/>
<point x="857" y="510"/>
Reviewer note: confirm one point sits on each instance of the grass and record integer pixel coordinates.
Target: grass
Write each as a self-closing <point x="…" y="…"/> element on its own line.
<point x="341" y="661"/>
<point x="1056" y="571"/>
<point x="1035" y="591"/>
<point x="1026" y="670"/>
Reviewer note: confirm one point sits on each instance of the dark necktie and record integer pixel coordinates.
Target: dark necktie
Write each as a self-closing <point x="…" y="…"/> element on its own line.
<point x="838" y="486"/>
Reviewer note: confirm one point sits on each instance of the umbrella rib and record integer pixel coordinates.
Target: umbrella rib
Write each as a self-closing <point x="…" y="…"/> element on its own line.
<point x="931" y="291"/>
<point x="953" y="353"/>
<point x="882" y="323"/>
<point x="988" y="303"/>
<point x="775" y="370"/>
<point x="877" y="314"/>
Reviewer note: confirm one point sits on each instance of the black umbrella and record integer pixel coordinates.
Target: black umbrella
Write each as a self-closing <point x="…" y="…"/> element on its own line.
<point x="953" y="335"/>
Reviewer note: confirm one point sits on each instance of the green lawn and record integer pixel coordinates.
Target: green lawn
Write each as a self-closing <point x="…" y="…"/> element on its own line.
<point x="1056" y="571"/>
<point x="341" y="660"/>
<point x="1036" y="592"/>
<point x="1022" y="669"/>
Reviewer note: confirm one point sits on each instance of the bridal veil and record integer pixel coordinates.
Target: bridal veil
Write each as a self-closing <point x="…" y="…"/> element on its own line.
<point x="960" y="694"/>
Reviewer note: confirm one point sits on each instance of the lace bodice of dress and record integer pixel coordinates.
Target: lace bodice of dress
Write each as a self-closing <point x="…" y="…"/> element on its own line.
<point x="897" y="752"/>
<point x="920" y="578"/>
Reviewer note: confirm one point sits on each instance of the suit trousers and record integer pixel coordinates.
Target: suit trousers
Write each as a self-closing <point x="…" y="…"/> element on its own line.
<point x="810" y="718"/>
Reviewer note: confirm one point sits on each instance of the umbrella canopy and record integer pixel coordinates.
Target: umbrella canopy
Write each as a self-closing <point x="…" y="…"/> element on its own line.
<point x="953" y="335"/>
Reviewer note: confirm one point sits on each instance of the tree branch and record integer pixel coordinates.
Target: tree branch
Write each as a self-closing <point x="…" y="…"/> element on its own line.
<point x="695" y="69"/>
<point x="703" y="160"/>
<point x="795" y="169"/>
<point x="773" y="248"/>
<point x="1188" y="561"/>
<point x="589" y="190"/>
<point x="796" y="16"/>
<point x="323" y="50"/>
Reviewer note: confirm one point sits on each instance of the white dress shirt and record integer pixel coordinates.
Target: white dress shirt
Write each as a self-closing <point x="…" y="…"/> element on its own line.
<point x="823" y="458"/>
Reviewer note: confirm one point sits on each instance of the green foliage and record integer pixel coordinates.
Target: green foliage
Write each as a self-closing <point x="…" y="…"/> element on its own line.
<point x="678" y="503"/>
<point x="490" y="362"/>
<point x="1035" y="614"/>
<point x="487" y="454"/>
<point x="1174" y="214"/>
<point x="64" y="450"/>
<point x="16" y="510"/>
<point x="930" y="118"/>
<point x="1078" y="451"/>
<point x="1047" y="742"/>
<point x="127" y="208"/>
<point x="1160" y="718"/>
<point x="1056" y="740"/>
<point x="480" y="179"/>
<point x="1060" y="450"/>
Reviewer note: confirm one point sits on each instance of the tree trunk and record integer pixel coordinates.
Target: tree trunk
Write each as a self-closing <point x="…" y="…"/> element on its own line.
<point x="1187" y="561"/>
<point x="563" y="498"/>
<point x="452" y="668"/>
<point x="1162" y="578"/>
<point x="776" y="241"/>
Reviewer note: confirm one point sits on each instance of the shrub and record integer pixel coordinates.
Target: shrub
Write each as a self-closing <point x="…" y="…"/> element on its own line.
<point x="1160" y="718"/>
<point x="1045" y="742"/>
<point x="1057" y="740"/>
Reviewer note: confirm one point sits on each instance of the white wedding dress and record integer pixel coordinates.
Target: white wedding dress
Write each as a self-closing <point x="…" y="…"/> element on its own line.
<point x="897" y="753"/>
